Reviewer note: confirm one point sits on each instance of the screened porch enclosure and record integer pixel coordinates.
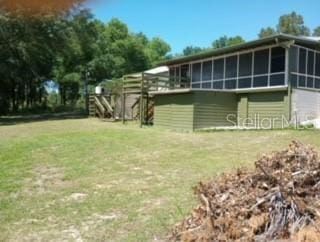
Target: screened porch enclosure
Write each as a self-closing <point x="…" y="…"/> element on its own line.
<point x="304" y="67"/>
<point x="257" y="68"/>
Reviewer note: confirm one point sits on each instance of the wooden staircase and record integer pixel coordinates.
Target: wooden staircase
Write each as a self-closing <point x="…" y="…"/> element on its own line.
<point x="99" y="106"/>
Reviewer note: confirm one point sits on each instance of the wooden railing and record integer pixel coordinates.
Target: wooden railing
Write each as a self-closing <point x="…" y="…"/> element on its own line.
<point x="153" y="82"/>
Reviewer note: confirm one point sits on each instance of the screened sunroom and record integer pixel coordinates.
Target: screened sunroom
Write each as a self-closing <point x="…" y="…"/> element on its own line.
<point x="253" y="65"/>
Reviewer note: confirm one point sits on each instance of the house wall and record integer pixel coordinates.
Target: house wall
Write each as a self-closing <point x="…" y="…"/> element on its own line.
<point x="305" y="105"/>
<point x="263" y="110"/>
<point x="214" y="109"/>
<point x="201" y="109"/>
<point x="174" y="111"/>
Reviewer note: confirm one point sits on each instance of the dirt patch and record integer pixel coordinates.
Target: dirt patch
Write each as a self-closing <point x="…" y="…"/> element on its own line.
<point x="75" y="197"/>
<point x="48" y="178"/>
<point x="278" y="200"/>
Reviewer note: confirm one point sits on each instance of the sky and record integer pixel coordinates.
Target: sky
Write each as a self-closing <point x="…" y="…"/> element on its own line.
<point x="199" y="22"/>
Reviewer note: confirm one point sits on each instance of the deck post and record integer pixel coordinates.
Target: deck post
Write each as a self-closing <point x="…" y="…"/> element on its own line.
<point x="141" y="100"/>
<point x="123" y="103"/>
<point x="147" y="109"/>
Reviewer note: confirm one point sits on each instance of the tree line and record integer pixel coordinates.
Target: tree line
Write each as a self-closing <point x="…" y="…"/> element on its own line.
<point x="292" y="23"/>
<point x="60" y="51"/>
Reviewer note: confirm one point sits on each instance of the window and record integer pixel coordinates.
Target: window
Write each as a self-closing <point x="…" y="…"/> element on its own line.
<point x="310" y="63"/>
<point x="245" y="64"/>
<point x="196" y="72"/>
<point x="260" y="81"/>
<point x="261" y="62"/>
<point x="318" y="64"/>
<point x="231" y="66"/>
<point x="277" y="59"/>
<point x="207" y="71"/>
<point x="218" y="67"/>
<point x="244" y="83"/>
<point x="302" y="60"/>
<point x="277" y="80"/>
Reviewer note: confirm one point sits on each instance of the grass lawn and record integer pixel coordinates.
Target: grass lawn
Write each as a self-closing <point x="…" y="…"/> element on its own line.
<point x="82" y="179"/>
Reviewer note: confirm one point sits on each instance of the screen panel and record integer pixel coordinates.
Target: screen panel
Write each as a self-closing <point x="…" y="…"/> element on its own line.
<point x="207" y="71"/>
<point x="278" y="58"/>
<point x="302" y="81"/>
<point x="197" y="85"/>
<point x="277" y="80"/>
<point x="218" y="67"/>
<point x="261" y="62"/>
<point x="310" y="82"/>
<point x="217" y="85"/>
<point x="206" y="85"/>
<point x="196" y="72"/>
<point x="260" y="81"/>
<point x="245" y="64"/>
<point x="302" y="61"/>
<point x="231" y="66"/>
<point x="244" y="83"/>
<point x="310" y="63"/>
<point x="294" y="80"/>
<point x="317" y="83"/>
<point x="231" y="84"/>
<point x="317" y="72"/>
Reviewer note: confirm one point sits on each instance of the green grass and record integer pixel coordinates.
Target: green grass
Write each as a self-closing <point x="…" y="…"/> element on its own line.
<point x="132" y="184"/>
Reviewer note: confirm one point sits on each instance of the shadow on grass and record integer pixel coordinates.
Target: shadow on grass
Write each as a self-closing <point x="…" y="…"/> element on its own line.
<point x="20" y="119"/>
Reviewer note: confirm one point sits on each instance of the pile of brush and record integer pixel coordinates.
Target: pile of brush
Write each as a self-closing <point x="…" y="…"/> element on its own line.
<point x="278" y="200"/>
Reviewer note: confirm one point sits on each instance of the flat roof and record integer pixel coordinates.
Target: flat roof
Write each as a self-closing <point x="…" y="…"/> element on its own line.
<point x="248" y="45"/>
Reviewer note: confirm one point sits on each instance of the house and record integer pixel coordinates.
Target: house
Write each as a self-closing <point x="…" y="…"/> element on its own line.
<point x="267" y="83"/>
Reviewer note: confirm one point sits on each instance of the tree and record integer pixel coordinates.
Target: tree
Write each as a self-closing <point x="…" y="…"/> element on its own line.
<point x="316" y="32"/>
<point x="267" y="32"/>
<point x="157" y="50"/>
<point x="293" y="24"/>
<point x="191" y="50"/>
<point x="224" y="41"/>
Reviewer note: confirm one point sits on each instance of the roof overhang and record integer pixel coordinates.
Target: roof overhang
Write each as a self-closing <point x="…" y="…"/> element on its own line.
<point x="245" y="90"/>
<point x="166" y="92"/>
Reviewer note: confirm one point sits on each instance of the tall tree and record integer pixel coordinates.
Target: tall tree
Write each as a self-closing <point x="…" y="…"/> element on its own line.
<point x="267" y="32"/>
<point x="191" y="50"/>
<point x="316" y="32"/>
<point x="292" y="23"/>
